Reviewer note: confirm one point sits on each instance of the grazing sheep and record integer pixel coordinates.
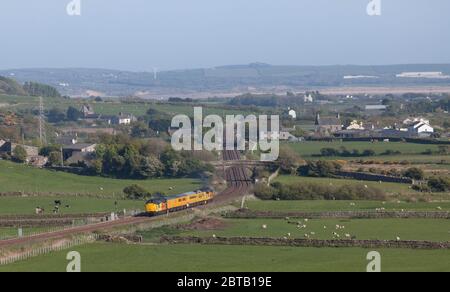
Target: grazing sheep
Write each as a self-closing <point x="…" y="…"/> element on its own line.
<point x="306" y="235"/>
<point x="439" y="208"/>
<point x="214" y="236"/>
<point x="264" y="226"/>
<point x="313" y="233"/>
<point x="398" y="238"/>
<point x="348" y="235"/>
<point x="306" y="220"/>
<point x="289" y="234"/>
<point x="287" y="218"/>
<point x="324" y="227"/>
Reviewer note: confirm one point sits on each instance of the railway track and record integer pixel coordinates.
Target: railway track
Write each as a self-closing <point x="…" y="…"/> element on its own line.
<point x="239" y="182"/>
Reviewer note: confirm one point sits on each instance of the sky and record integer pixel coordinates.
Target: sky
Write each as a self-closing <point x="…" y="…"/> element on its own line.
<point x="140" y="35"/>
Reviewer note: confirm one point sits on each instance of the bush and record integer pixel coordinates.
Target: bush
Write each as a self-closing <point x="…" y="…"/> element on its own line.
<point x="414" y="173"/>
<point x="312" y="191"/>
<point x="320" y="168"/>
<point x="136" y="192"/>
<point x="439" y="184"/>
<point x="20" y="154"/>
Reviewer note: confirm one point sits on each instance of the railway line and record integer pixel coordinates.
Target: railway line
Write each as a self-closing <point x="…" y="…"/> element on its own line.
<point x="239" y="183"/>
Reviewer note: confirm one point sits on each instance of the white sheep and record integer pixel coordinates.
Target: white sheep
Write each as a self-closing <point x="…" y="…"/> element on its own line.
<point x="439" y="208"/>
<point x="289" y="234"/>
<point x="398" y="238"/>
<point x="348" y="235"/>
<point x="264" y="226"/>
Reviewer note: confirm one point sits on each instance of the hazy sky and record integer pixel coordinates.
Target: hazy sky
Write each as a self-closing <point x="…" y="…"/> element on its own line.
<point x="175" y="34"/>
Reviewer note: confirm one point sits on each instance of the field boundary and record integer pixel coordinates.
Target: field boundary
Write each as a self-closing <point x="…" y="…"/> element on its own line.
<point x="248" y="214"/>
<point x="251" y="241"/>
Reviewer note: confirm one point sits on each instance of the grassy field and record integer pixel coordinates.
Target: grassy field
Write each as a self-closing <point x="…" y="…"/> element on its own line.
<point x="78" y="205"/>
<point x="309" y="149"/>
<point x="182" y="258"/>
<point x="388" y="187"/>
<point x="19" y="178"/>
<point x="381" y="229"/>
<point x="322" y="206"/>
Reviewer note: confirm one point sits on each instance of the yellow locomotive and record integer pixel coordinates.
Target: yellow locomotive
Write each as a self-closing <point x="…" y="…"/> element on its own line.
<point x="180" y="202"/>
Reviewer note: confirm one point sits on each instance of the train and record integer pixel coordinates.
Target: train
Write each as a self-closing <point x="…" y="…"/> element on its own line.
<point x="165" y="205"/>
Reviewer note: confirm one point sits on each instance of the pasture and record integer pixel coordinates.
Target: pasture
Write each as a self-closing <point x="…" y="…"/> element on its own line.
<point x="192" y="258"/>
<point x="363" y="229"/>
<point x="310" y="149"/>
<point x="388" y="187"/>
<point x="28" y="180"/>
<point x="77" y="205"/>
<point x="323" y="206"/>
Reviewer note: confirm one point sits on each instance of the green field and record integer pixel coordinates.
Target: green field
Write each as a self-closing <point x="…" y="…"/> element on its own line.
<point x="367" y="229"/>
<point x="388" y="187"/>
<point x="78" y="205"/>
<point x="308" y="149"/>
<point x="323" y="206"/>
<point x="189" y="258"/>
<point x="21" y="178"/>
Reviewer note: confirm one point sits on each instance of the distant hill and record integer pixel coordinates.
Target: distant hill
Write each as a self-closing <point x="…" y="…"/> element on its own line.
<point x="12" y="87"/>
<point x="236" y="77"/>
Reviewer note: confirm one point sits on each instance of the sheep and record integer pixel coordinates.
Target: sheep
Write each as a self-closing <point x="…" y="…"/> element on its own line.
<point x="398" y="238"/>
<point x="313" y="233"/>
<point x="214" y="236"/>
<point x="306" y="220"/>
<point x="289" y="234"/>
<point x="348" y="235"/>
<point x="287" y="218"/>
<point x="264" y="226"/>
<point x="306" y="235"/>
<point x="439" y="208"/>
<point x="324" y="227"/>
<point x="352" y="204"/>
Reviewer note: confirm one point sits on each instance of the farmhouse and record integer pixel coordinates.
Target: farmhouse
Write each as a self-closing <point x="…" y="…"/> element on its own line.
<point x="9" y="147"/>
<point x="420" y="128"/>
<point x="327" y="126"/>
<point x="70" y="150"/>
<point x="123" y="119"/>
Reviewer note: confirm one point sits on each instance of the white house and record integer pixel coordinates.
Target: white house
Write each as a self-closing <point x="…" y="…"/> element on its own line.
<point x="123" y="119"/>
<point x="308" y="98"/>
<point x="410" y="121"/>
<point x="420" y="128"/>
<point x="292" y="113"/>
<point x="355" y="125"/>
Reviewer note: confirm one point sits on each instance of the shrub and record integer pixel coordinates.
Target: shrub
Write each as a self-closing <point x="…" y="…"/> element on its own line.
<point x="414" y="173"/>
<point x="439" y="184"/>
<point x="20" y="154"/>
<point x="136" y="192"/>
<point x="313" y="191"/>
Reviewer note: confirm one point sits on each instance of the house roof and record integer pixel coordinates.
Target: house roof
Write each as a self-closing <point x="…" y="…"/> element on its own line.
<point x="329" y="122"/>
<point x="78" y="146"/>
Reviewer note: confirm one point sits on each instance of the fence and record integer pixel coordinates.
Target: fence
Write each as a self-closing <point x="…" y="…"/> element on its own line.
<point x="6" y="260"/>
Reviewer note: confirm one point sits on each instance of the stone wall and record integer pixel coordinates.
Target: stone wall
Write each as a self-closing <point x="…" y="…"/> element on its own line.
<point x="306" y="242"/>
<point x="247" y="214"/>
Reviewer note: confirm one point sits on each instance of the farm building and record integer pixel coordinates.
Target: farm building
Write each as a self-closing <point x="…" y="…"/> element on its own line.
<point x="8" y="148"/>
<point x="123" y="119"/>
<point x="327" y="126"/>
<point x="70" y="150"/>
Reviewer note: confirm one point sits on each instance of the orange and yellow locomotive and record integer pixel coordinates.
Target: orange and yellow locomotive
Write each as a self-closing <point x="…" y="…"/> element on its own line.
<point x="175" y="203"/>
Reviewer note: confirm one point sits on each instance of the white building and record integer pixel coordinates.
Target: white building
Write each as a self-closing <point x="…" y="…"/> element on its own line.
<point x="355" y="125"/>
<point x="420" y="128"/>
<point x="123" y="119"/>
<point x="411" y="121"/>
<point x="308" y="98"/>
<point x="292" y="113"/>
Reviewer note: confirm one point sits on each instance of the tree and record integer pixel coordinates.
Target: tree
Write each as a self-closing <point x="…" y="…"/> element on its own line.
<point x="414" y="173"/>
<point x="56" y="115"/>
<point x="54" y="158"/>
<point x="289" y="160"/>
<point x="135" y="192"/>
<point x="73" y="114"/>
<point x="20" y="154"/>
